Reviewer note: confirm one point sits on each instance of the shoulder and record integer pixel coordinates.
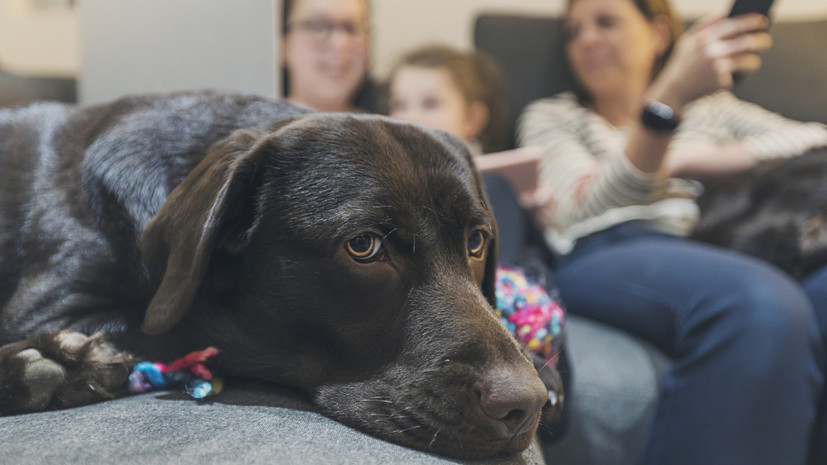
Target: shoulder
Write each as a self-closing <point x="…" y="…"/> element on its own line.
<point x="559" y="102"/>
<point x="720" y="100"/>
<point x="560" y="108"/>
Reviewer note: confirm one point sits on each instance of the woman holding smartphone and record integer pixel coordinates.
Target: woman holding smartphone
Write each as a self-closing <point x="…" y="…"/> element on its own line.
<point x="650" y="111"/>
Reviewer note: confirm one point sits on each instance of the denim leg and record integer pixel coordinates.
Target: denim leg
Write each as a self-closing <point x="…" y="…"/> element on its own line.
<point x="815" y="286"/>
<point x="746" y="376"/>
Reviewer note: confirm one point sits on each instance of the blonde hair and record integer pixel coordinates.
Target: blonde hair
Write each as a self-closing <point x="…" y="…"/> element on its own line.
<point x="477" y="77"/>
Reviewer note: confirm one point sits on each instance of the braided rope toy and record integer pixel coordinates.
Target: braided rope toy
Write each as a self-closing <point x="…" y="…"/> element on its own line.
<point x="529" y="312"/>
<point x="188" y="371"/>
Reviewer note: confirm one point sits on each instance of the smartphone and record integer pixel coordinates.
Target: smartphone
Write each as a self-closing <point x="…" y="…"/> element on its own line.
<point x="741" y="7"/>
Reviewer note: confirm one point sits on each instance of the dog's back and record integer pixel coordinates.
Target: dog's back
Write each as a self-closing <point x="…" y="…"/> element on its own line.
<point x="28" y="161"/>
<point x="100" y="174"/>
<point x="776" y="211"/>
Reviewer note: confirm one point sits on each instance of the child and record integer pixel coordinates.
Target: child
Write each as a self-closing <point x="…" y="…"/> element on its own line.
<point x="461" y="93"/>
<point x="464" y="93"/>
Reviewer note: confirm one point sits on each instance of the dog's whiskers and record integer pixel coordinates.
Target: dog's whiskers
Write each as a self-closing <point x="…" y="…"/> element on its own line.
<point x="431" y="444"/>
<point x="389" y="233"/>
<point x="547" y="429"/>
<point x="405" y="430"/>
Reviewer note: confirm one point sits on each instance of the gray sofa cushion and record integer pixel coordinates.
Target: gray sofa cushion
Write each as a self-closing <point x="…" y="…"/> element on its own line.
<point x="615" y="387"/>
<point x="246" y="424"/>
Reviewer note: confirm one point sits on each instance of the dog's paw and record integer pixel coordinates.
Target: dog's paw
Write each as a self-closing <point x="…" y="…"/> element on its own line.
<point x="63" y="369"/>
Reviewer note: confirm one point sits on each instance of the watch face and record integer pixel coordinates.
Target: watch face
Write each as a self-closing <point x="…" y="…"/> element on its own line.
<point x="658" y="116"/>
<point x="661" y="109"/>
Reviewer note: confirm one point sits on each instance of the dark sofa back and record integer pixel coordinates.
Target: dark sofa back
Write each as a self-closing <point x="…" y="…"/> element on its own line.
<point x="792" y="81"/>
<point x="19" y="90"/>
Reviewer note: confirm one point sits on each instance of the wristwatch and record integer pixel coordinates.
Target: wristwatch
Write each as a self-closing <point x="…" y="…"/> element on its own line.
<point x="659" y="116"/>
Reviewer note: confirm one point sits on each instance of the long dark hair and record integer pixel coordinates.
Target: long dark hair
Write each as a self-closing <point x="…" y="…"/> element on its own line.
<point x="365" y="96"/>
<point x="650" y="9"/>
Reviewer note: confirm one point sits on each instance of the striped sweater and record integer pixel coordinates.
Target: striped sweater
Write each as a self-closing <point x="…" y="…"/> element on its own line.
<point x="595" y="186"/>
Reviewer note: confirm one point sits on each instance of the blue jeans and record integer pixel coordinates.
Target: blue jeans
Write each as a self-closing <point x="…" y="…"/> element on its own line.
<point x="749" y="364"/>
<point x="815" y="286"/>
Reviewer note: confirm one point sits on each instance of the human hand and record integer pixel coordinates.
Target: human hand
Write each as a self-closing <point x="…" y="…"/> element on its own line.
<point x="707" y="55"/>
<point x="540" y="205"/>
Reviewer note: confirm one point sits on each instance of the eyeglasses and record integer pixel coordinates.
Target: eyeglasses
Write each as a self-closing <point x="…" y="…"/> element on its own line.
<point x="321" y="30"/>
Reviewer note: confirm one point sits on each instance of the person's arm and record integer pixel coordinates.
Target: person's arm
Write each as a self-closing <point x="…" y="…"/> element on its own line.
<point x="702" y="62"/>
<point x="585" y="175"/>
<point x="752" y="134"/>
<point x="585" y="184"/>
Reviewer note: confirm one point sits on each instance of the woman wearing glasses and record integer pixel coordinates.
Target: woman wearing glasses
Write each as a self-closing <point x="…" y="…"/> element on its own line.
<point x="325" y="54"/>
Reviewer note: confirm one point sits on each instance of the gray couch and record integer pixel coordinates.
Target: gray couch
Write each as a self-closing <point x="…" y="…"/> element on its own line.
<point x="617" y="378"/>
<point x="16" y="89"/>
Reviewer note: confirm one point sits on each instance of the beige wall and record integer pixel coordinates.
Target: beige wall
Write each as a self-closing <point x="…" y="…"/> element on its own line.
<point x="128" y="46"/>
<point x="38" y="41"/>
<point x="47" y="41"/>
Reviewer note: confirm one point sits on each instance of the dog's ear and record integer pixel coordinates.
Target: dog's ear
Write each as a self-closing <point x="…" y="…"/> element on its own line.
<point x="178" y="242"/>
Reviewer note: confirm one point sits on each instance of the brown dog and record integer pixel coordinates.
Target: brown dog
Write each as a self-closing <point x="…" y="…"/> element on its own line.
<point x="350" y="256"/>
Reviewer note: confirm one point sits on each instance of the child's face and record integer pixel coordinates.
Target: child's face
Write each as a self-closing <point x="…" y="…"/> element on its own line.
<point x="430" y="96"/>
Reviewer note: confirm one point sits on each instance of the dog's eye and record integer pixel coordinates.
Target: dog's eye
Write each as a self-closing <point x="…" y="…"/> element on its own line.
<point x="364" y="247"/>
<point x="476" y="244"/>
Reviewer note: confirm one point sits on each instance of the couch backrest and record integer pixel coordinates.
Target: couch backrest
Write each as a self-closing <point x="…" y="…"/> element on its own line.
<point x="792" y="81"/>
<point x="19" y="90"/>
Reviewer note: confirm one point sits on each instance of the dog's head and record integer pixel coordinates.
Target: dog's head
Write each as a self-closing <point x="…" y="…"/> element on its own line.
<point x="352" y="256"/>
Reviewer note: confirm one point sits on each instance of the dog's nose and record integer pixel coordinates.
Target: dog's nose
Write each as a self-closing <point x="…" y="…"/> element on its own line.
<point x="510" y="400"/>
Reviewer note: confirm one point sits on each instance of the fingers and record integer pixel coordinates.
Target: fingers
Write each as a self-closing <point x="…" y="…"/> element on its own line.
<point x="738" y="25"/>
<point x="745" y="63"/>
<point x="706" y="56"/>
<point x="727" y="28"/>
<point x="748" y="43"/>
<point x="746" y="33"/>
<point x="738" y="54"/>
<point x="733" y="45"/>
